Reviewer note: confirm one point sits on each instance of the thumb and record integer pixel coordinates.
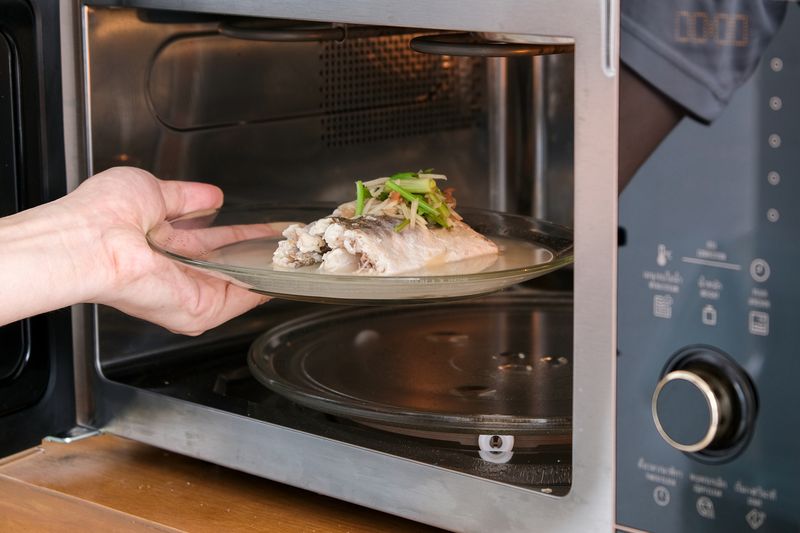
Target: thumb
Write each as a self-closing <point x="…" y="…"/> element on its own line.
<point x="182" y="197"/>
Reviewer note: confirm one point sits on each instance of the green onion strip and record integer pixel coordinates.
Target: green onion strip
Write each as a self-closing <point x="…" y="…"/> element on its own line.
<point x="360" y="197"/>
<point x="423" y="205"/>
<point x="401" y="226"/>
<point x="430" y="201"/>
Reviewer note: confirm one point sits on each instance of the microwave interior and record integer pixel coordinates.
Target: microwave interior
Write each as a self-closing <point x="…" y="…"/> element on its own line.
<point x="287" y="112"/>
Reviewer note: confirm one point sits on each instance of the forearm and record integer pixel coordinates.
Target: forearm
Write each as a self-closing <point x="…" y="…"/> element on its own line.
<point x="645" y="118"/>
<point x="46" y="261"/>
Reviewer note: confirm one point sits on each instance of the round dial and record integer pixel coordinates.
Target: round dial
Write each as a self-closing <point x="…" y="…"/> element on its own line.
<point x="705" y="404"/>
<point x="692" y="409"/>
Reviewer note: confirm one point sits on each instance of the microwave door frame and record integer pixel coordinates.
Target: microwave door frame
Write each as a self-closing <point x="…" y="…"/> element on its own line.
<point x="417" y="491"/>
<point x="37" y="395"/>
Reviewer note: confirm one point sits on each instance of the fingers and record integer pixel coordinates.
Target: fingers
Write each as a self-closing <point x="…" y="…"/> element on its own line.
<point x="228" y="301"/>
<point x="213" y="238"/>
<point x="184" y="300"/>
<point x="181" y="197"/>
<point x="235" y="301"/>
<point x="198" y="243"/>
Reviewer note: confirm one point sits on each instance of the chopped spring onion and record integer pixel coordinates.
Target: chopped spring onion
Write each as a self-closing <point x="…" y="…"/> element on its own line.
<point x="361" y="194"/>
<point x="374" y="183"/>
<point x="403" y="176"/>
<point x="423" y="206"/>
<point x="401" y="226"/>
<point x="419" y="186"/>
<point x="413" y="198"/>
<point x="432" y="176"/>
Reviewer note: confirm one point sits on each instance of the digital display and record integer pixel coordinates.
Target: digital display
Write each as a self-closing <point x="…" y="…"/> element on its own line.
<point x="700" y="27"/>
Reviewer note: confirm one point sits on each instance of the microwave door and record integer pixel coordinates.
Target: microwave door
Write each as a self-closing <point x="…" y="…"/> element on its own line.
<point x="36" y="377"/>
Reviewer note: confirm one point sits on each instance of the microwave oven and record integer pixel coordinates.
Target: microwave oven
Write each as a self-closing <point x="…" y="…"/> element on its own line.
<point x="645" y="388"/>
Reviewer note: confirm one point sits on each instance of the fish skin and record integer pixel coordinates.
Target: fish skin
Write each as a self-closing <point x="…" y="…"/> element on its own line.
<point x="370" y="245"/>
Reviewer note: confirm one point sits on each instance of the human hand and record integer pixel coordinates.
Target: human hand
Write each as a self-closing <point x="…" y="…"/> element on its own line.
<point x="125" y="203"/>
<point x="97" y="252"/>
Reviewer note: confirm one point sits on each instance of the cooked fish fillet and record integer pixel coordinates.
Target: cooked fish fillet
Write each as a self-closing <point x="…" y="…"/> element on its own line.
<point x="370" y="245"/>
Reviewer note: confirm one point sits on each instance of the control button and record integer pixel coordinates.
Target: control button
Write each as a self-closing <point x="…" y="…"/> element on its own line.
<point x="773" y="215"/>
<point x="661" y="496"/>
<point x="662" y="305"/>
<point x="759" y="270"/>
<point x="755" y="518"/>
<point x="704" y="404"/>
<point x="773" y="177"/>
<point x="709" y="315"/>
<point x="705" y="507"/>
<point x="758" y="323"/>
<point x="689" y="409"/>
<point x="663" y="255"/>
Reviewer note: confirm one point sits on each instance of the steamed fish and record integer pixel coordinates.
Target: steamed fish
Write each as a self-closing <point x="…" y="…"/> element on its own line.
<point x="396" y="225"/>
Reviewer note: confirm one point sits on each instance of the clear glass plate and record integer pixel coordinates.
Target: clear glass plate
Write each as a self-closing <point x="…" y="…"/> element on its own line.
<point x="236" y="243"/>
<point x="501" y="363"/>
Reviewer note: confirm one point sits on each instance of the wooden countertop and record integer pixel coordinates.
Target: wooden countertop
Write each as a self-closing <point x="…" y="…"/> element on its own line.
<point x="107" y="483"/>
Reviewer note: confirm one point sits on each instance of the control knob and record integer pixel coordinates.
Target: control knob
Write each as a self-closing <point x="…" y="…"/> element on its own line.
<point x="704" y="404"/>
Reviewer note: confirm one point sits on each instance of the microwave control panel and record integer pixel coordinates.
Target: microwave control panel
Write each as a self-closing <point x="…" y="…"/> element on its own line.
<point x="708" y="377"/>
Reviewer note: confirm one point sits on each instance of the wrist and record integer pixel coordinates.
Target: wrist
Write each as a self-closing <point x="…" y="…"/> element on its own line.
<point x="47" y="260"/>
<point x="79" y="243"/>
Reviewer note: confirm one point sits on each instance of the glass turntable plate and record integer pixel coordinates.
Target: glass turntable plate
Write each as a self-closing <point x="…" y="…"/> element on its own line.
<point x="237" y="243"/>
<point x="500" y="364"/>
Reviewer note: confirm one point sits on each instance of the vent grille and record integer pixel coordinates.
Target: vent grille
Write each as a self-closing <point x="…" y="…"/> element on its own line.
<point x="377" y="88"/>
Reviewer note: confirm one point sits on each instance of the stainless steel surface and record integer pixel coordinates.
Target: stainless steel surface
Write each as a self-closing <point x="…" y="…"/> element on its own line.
<point x="76" y="167"/>
<point x="552" y="137"/>
<point x="72" y="94"/>
<point x="271" y="31"/>
<point x="609" y="20"/>
<point x="539" y="137"/>
<point x="497" y="69"/>
<point x="456" y="501"/>
<point x="280" y="122"/>
<point x="75" y="434"/>
<point x="450" y="499"/>
<point x="221" y="380"/>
